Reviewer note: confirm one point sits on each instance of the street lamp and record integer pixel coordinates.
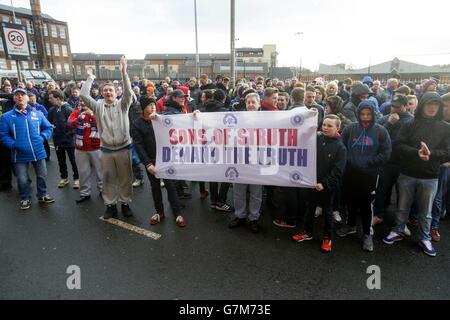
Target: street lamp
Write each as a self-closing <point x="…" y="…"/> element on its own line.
<point x="299" y="34"/>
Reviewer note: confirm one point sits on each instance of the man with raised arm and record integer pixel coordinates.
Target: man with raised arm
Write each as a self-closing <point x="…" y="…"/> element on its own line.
<point x="114" y="129"/>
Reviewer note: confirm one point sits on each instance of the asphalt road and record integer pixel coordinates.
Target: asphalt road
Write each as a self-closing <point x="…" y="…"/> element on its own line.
<point x="204" y="261"/>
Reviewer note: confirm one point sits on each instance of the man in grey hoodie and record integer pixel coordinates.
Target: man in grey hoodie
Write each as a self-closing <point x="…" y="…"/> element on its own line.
<point x="114" y="129"/>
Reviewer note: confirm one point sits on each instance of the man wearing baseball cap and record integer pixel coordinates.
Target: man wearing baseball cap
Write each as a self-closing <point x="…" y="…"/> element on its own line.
<point x="391" y="171"/>
<point x="23" y="130"/>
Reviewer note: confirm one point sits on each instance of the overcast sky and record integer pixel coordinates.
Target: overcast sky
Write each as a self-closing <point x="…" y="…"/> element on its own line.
<point x="354" y="32"/>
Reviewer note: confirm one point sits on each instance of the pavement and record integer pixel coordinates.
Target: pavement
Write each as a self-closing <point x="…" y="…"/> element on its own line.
<point x="204" y="261"/>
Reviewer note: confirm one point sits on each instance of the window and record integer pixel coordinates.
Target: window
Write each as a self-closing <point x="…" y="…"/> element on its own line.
<point x="13" y="65"/>
<point x="1" y="44"/>
<point x="56" y="49"/>
<point x="45" y="30"/>
<point x="37" y="65"/>
<point x="18" y="21"/>
<point x="48" y="49"/>
<point x="33" y="48"/>
<point x="64" y="50"/>
<point x="62" y="32"/>
<point x="24" y="65"/>
<point x="54" y="32"/>
<point x="3" y="64"/>
<point x="5" y="19"/>
<point x="30" y="27"/>
<point x="58" y="68"/>
<point x="78" y="70"/>
<point x="66" y="68"/>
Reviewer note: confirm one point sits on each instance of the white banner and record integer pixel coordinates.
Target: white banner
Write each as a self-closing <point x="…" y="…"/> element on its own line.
<point x="263" y="148"/>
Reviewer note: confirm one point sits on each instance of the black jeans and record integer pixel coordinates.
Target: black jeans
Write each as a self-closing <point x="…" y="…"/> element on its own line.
<point x="171" y="194"/>
<point x="324" y="199"/>
<point x="47" y="149"/>
<point x="61" y="153"/>
<point x="295" y="205"/>
<point x="5" y="166"/>
<point x="358" y="188"/>
<point x="218" y="195"/>
<point x="388" y="179"/>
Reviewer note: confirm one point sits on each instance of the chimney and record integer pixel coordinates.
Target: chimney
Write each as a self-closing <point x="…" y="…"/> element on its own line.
<point x="39" y="34"/>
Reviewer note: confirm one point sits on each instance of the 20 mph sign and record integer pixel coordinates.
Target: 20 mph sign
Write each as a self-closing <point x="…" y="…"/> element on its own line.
<point x="15" y="41"/>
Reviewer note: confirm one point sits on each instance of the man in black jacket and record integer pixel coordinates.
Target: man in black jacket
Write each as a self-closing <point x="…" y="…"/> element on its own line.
<point x="63" y="137"/>
<point x="145" y="144"/>
<point x="218" y="196"/>
<point x="424" y="144"/>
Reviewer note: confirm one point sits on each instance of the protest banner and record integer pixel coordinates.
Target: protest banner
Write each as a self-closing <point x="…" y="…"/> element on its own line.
<point x="262" y="148"/>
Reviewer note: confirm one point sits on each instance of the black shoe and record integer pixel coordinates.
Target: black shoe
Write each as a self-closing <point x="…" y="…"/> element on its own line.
<point x="236" y="222"/>
<point x="126" y="211"/>
<point x="111" y="211"/>
<point x="254" y="227"/>
<point x="184" y="196"/>
<point x="6" y="187"/>
<point x="83" y="199"/>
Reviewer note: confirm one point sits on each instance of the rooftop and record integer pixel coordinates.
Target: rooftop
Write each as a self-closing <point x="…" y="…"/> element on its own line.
<point x="23" y="11"/>
<point x="387" y="67"/>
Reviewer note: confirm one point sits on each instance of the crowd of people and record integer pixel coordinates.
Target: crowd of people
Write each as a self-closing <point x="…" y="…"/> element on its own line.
<point x="382" y="148"/>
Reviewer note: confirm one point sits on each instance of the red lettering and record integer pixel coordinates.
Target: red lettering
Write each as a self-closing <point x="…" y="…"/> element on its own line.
<point x="173" y="137"/>
<point x="242" y="137"/>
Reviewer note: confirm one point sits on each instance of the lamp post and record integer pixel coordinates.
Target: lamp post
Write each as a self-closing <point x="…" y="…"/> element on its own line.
<point x="197" y="55"/>
<point x="299" y="34"/>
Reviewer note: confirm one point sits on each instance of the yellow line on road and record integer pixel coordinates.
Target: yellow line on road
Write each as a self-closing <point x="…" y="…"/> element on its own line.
<point x="132" y="228"/>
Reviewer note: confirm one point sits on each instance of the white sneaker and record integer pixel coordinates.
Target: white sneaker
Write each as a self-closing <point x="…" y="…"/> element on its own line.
<point x="137" y="183"/>
<point x="318" y="212"/>
<point x="337" y="217"/>
<point x="407" y="232"/>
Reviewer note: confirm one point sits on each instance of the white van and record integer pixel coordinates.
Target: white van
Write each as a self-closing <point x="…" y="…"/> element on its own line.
<point x="37" y="76"/>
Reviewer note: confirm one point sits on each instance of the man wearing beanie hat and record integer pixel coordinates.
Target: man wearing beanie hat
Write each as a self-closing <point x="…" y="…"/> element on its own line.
<point x="423" y="145"/>
<point x="368" y="149"/>
<point x="145" y="143"/>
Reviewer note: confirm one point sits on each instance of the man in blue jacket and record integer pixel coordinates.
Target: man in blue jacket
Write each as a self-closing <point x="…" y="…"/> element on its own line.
<point x="23" y="130"/>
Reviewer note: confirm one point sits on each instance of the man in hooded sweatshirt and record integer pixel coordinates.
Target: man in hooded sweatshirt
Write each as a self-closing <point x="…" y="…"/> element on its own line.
<point x="424" y="144"/>
<point x="441" y="202"/>
<point x="360" y="92"/>
<point x="114" y="130"/>
<point x="368" y="149"/>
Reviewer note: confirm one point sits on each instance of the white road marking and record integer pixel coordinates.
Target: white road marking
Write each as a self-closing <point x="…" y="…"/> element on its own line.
<point x="129" y="227"/>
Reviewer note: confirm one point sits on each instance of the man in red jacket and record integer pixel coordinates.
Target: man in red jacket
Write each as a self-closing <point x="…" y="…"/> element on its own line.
<point x="87" y="149"/>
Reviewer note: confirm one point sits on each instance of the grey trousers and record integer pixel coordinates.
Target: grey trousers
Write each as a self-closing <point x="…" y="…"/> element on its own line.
<point x="88" y="163"/>
<point x="117" y="177"/>
<point x="240" y="201"/>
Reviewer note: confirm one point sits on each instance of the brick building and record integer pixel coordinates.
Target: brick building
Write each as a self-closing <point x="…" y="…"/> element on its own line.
<point x="48" y="38"/>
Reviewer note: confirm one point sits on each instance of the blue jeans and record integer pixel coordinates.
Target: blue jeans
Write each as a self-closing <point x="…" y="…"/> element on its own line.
<point x="422" y="192"/>
<point x="40" y="168"/>
<point x="441" y="201"/>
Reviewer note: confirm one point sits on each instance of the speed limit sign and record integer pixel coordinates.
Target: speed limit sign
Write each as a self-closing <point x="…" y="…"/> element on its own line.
<point x="15" y="41"/>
